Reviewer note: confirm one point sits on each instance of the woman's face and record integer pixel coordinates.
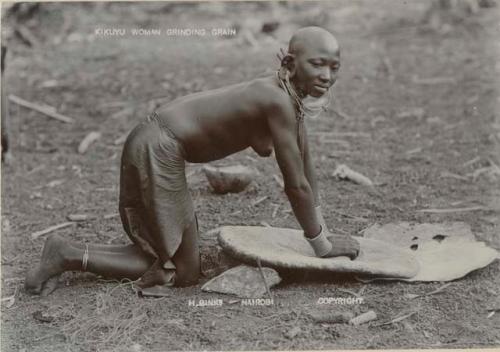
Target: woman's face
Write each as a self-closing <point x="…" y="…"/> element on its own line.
<point x="316" y="68"/>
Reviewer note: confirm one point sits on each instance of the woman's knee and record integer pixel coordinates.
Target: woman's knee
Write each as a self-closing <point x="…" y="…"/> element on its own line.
<point x="188" y="266"/>
<point x="187" y="258"/>
<point x="187" y="276"/>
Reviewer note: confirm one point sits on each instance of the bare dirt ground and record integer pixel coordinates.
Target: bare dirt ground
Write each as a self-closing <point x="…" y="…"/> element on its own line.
<point x="421" y="102"/>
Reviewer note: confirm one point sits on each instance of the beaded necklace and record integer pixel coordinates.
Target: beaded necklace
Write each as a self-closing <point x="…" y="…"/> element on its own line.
<point x="310" y="110"/>
<point x="301" y="110"/>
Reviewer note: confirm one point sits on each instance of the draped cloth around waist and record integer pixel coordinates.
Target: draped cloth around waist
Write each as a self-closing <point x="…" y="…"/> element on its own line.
<point x="155" y="205"/>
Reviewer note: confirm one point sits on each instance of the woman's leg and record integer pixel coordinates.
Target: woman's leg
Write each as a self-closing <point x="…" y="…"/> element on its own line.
<point x="187" y="257"/>
<point x="59" y="255"/>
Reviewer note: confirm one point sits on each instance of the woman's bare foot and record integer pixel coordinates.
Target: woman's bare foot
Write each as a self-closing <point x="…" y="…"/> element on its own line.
<point x="50" y="286"/>
<point x="156" y="275"/>
<point x="51" y="264"/>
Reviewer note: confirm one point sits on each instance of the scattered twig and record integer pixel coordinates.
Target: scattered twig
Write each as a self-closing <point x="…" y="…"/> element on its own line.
<point x="452" y="126"/>
<point x="26" y="36"/>
<point x="433" y="80"/>
<point x="37" y="234"/>
<point x="340" y="153"/>
<point x="10" y="300"/>
<point x="273" y="326"/>
<point x="105" y="189"/>
<point x="343" y="172"/>
<point x="9" y="261"/>
<point x="460" y="341"/>
<point x="275" y="210"/>
<point x="414" y="150"/>
<point x="438" y="290"/>
<point x="332" y="317"/>
<point x="472" y="161"/>
<point x="351" y="134"/>
<point x="90" y="138"/>
<point x="65" y="29"/>
<point x="446" y="174"/>
<point x="249" y="38"/>
<point x="121" y="139"/>
<point x="36" y="169"/>
<point x="279" y="181"/>
<point x="13" y="279"/>
<point x="110" y="216"/>
<point x="51" y="83"/>
<point x="341" y="114"/>
<point x="78" y="217"/>
<point x="213" y="233"/>
<point x="258" y="201"/>
<point x="339" y="230"/>
<point x="122" y="113"/>
<point x="55" y="183"/>
<point x="417" y="113"/>
<point x="451" y="210"/>
<point x="349" y="216"/>
<point x="48" y="111"/>
<point x="113" y="104"/>
<point x="340" y="134"/>
<point x="156" y="291"/>
<point x="478" y="172"/>
<point x="363" y="318"/>
<point x="388" y="66"/>
<point x="105" y="56"/>
<point x="341" y="142"/>
<point x="362" y="231"/>
<point x="51" y="184"/>
<point x="349" y="292"/>
<point x="398" y="319"/>
<point x="494" y="167"/>
<point x="259" y="264"/>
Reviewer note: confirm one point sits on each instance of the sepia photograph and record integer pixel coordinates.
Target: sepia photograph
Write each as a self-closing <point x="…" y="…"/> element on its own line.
<point x="250" y="175"/>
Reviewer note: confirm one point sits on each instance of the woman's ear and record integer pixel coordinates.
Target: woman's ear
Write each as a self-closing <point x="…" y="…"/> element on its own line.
<point x="288" y="61"/>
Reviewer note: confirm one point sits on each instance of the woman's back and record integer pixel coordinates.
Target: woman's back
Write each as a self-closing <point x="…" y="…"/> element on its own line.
<point x="216" y="123"/>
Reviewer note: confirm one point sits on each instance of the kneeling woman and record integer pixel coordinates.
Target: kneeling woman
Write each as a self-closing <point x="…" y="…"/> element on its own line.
<point x="155" y="206"/>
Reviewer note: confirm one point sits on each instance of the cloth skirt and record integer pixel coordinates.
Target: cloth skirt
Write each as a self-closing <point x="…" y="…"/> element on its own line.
<point x="155" y="204"/>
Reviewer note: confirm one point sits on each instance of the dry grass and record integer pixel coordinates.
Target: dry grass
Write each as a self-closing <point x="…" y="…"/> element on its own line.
<point x="110" y="320"/>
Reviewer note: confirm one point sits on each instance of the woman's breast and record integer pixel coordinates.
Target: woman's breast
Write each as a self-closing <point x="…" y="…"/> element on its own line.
<point x="262" y="145"/>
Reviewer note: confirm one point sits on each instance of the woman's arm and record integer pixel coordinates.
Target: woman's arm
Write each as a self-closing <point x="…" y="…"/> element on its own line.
<point x="311" y="177"/>
<point x="282" y="124"/>
<point x="309" y="168"/>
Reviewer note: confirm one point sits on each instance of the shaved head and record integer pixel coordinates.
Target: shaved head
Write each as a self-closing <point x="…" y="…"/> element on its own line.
<point x="312" y="61"/>
<point x="308" y="37"/>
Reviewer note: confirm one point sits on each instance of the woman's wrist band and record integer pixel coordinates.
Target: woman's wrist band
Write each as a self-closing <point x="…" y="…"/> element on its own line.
<point x="320" y="244"/>
<point x="85" y="258"/>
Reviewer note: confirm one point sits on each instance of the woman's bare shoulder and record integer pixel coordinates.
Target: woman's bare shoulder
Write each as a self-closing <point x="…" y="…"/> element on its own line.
<point x="269" y="94"/>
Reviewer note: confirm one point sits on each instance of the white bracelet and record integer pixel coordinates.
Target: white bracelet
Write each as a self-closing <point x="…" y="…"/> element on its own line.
<point x="320" y="244"/>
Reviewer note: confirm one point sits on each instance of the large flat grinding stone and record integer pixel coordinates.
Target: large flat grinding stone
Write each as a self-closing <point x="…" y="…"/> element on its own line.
<point x="287" y="248"/>
<point x="445" y="252"/>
